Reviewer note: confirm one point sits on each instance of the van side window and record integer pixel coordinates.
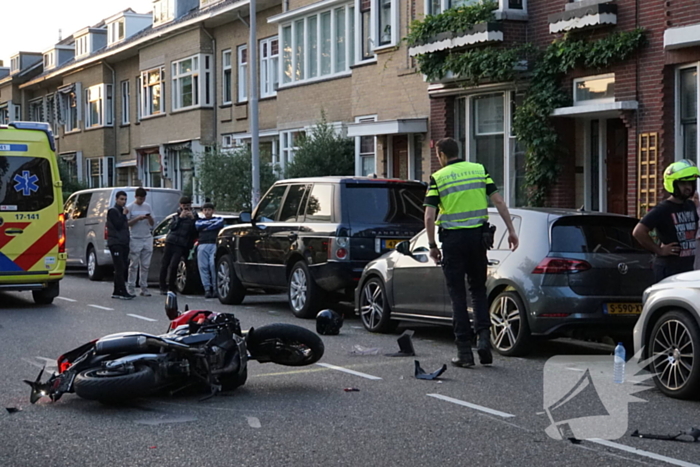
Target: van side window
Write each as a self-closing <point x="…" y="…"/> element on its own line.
<point x="320" y="205"/>
<point x="291" y="203"/>
<point x="81" y="206"/>
<point x="69" y="206"/>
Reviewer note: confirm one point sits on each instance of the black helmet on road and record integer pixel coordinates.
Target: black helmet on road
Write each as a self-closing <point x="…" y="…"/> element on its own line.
<point x="328" y="323"/>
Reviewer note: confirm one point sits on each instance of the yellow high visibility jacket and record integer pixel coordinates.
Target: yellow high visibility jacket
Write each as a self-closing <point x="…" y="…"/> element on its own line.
<point x="459" y="190"/>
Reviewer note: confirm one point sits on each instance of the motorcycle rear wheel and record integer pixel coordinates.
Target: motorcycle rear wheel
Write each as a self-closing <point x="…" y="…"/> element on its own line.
<point x="96" y="384"/>
<point x="285" y="344"/>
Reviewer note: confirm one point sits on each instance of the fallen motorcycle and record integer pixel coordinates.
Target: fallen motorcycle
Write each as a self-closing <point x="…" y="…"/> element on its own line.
<point x="202" y="350"/>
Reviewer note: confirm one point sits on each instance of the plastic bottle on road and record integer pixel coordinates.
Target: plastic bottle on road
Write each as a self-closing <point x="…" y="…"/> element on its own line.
<point x="619" y="365"/>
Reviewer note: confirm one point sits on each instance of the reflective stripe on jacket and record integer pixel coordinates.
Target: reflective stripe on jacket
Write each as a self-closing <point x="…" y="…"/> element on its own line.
<point x="462" y="190"/>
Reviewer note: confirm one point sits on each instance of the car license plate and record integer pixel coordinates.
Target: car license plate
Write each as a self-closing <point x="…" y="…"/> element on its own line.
<point x="391" y="243"/>
<point x="623" y="308"/>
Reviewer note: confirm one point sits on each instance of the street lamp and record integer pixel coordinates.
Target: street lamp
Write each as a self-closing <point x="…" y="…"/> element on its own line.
<point x="253" y="93"/>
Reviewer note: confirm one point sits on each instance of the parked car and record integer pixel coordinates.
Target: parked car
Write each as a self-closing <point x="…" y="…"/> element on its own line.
<point x="312" y="237"/>
<point x="85" y="212"/>
<point x="188" y="280"/>
<point x="669" y="331"/>
<point x="575" y="273"/>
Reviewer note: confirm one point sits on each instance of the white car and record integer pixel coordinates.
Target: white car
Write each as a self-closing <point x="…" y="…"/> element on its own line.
<point x="668" y="331"/>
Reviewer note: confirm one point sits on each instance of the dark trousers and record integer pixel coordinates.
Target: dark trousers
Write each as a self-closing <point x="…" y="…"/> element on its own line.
<point x="120" y="259"/>
<point x="464" y="254"/>
<point x="168" y="267"/>
<point x="669" y="266"/>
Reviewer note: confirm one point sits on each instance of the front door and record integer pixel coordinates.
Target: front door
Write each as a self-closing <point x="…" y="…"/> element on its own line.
<point x="283" y="235"/>
<point x="616" y="166"/>
<point x="399" y="153"/>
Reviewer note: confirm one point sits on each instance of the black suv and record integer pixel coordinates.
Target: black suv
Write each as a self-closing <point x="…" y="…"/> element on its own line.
<point x="313" y="236"/>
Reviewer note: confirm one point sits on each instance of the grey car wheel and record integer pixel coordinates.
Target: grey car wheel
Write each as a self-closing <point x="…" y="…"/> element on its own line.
<point x="228" y="286"/>
<point x="510" y="332"/>
<point x="181" y="279"/>
<point x="305" y="297"/>
<point x="94" y="270"/>
<point x="674" y="345"/>
<point x="375" y="311"/>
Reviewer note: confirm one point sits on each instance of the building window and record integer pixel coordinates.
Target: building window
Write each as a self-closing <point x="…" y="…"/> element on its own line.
<point x="100" y="172"/>
<point x="226" y="65"/>
<point x="435" y="7"/>
<point x="366" y="30"/>
<point x="116" y="31"/>
<point x="70" y="162"/>
<point x="69" y="106"/>
<point x="98" y="106"/>
<point x="365" y="151"/>
<point x="186" y="83"/>
<point x="82" y="47"/>
<point x="288" y="145"/>
<point x="688" y="115"/>
<point x="126" y="106"/>
<point x="36" y="110"/>
<point x="269" y="66"/>
<point x="319" y="45"/>
<point x="14" y="64"/>
<point x="152" y="92"/>
<point x="594" y="90"/>
<point x="4" y="114"/>
<point x="163" y="11"/>
<point x="50" y="59"/>
<point x="51" y="111"/>
<point x="242" y="95"/>
<point x="154" y="171"/>
<point x="386" y="22"/>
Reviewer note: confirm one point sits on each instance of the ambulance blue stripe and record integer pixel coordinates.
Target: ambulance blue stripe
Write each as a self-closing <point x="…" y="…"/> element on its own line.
<point x="7" y="265"/>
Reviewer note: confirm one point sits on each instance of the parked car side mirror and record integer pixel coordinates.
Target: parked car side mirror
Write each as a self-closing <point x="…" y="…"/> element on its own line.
<point x="245" y="218"/>
<point x="404" y="248"/>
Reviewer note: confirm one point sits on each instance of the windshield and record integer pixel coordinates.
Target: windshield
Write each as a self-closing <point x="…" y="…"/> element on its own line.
<point x="604" y="234"/>
<point x="25" y="183"/>
<point x="390" y="204"/>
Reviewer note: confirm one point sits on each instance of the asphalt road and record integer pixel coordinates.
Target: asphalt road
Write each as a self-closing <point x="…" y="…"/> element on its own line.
<point x="303" y="416"/>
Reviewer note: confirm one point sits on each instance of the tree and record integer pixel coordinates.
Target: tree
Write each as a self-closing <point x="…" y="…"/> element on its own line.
<point x="70" y="184"/>
<point x="226" y="178"/>
<point x="323" y="152"/>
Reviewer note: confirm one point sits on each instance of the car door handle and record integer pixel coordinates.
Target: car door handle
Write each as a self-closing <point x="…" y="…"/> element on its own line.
<point x="292" y="237"/>
<point x="493" y="262"/>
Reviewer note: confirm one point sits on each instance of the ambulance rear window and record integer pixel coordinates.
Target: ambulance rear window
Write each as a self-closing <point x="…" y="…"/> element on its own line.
<point x="25" y="183"/>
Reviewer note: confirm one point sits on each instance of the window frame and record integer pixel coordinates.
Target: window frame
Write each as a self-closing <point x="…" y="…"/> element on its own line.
<point x="359" y="155"/>
<point x="35" y="104"/>
<point x="227" y="77"/>
<point x="269" y="67"/>
<point x="147" y="93"/>
<point x="200" y="75"/>
<point x="126" y="101"/>
<point x="242" y="73"/>
<point x="105" y="106"/>
<point x="503" y="6"/>
<point x="681" y="121"/>
<point x="106" y="171"/>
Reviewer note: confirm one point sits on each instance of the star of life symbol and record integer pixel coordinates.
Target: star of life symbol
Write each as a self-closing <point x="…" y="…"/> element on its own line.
<point x="581" y="399"/>
<point x="26" y="183"/>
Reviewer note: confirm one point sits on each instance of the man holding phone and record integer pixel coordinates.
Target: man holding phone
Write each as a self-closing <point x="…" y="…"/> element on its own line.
<point x="178" y="243"/>
<point x="140" y="218"/>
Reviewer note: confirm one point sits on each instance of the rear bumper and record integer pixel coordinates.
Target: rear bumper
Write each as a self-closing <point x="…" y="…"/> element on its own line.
<point x="584" y="313"/>
<point x="26" y="285"/>
<point x="335" y="275"/>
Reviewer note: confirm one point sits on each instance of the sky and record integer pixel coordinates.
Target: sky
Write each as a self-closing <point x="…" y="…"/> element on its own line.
<point x="32" y="25"/>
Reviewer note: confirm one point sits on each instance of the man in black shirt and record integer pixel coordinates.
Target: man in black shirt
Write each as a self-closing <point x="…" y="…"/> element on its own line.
<point x="118" y="243"/>
<point x="675" y="220"/>
<point x="178" y="243"/>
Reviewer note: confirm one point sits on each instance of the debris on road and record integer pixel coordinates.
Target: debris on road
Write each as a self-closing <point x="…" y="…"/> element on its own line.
<point x="351" y="390"/>
<point x="421" y="374"/>
<point x="405" y="345"/>
<point x="693" y="433"/>
<point x="361" y="350"/>
<point x="12" y="410"/>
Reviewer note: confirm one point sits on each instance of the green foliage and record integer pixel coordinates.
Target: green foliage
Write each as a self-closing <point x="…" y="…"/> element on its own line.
<point x="323" y="152"/>
<point x="226" y="178"/>
<point x="70" y="184"/>
<point x="533" y="126"/>
<point x="457" y="20"/>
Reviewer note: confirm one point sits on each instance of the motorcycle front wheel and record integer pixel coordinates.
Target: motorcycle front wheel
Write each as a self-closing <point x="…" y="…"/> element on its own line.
<point x="101" y="385"/>
<point x="284" y="344"/>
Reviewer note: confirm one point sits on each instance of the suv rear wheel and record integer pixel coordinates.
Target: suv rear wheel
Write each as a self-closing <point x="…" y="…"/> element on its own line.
<point x="229" y="287"/>
<point x="306" y="298"/>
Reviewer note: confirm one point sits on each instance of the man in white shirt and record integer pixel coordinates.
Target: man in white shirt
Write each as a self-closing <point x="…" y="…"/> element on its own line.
<point x="140" y="219"/>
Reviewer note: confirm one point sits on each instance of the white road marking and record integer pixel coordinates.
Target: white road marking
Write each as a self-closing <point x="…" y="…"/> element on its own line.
<point x="141" y="317"/>
<point x="49" y="361"/>
<point x="346" y="370"/>
<point x="639" y="452"/>
<point x="101" y="307"/>
<point x="253" y="422"/>
<point x="471" y="406"/>
<point x="32" y="363"/>
<point x="66" y="299"/>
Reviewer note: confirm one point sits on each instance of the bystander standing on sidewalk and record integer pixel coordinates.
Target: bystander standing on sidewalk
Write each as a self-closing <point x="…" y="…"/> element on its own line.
<point x="177" y="244"/>
<point x="118" y="243"/>
<point x="140" y="217"/>
<point x="208" y="228"/>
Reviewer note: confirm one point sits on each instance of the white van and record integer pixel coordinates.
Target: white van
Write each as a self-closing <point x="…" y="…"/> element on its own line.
<point x="86" y="223"/>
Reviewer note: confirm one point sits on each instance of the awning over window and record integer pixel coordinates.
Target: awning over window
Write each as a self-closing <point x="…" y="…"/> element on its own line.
<point x="131" y="163"/>
<point x="607" y="110"/>
<point x="684" y="36"/>
<point x="388" y="127"/>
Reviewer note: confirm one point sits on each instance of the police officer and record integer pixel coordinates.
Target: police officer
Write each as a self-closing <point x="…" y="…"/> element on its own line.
<point x="460" y="190"/>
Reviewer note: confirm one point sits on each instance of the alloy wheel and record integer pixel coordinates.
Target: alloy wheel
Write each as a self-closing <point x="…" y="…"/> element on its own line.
<point x="223" y="279"/>
<point x="297" y="289"/>
<point x="505" y="323"/>
<point x="372" y="304"/>
<point x="181" y="276"/>
<point x="91" y="263"/>
<point x="672" y="351"/>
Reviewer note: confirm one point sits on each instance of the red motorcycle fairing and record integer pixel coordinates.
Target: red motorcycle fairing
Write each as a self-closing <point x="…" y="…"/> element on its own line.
<point x="185" y="318"/>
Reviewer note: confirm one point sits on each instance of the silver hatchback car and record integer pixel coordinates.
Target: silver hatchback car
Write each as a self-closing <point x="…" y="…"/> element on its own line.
<point x="578" y="274"/>
<point x="668" y="331"/>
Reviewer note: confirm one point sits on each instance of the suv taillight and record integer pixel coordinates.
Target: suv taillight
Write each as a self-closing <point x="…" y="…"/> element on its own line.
<point x="561" y="266"/>
<point x="61" y="233"/>
<point x="339" y="248"/>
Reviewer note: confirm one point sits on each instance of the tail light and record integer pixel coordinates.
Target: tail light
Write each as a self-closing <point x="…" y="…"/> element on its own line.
<point x="63" y="364"/>
<point x="61" y="233"/>
<point x="339" y="248"/>
<point x="561" y="266"/>
<point x="106" y="233"/>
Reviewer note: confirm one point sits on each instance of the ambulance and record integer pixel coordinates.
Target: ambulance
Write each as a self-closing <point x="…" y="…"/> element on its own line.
<point x="32" y="227"/>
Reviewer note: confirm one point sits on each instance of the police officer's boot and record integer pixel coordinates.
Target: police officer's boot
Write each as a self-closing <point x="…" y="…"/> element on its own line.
<point x="464" y="359"/>
<point x="483" y="348"/>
